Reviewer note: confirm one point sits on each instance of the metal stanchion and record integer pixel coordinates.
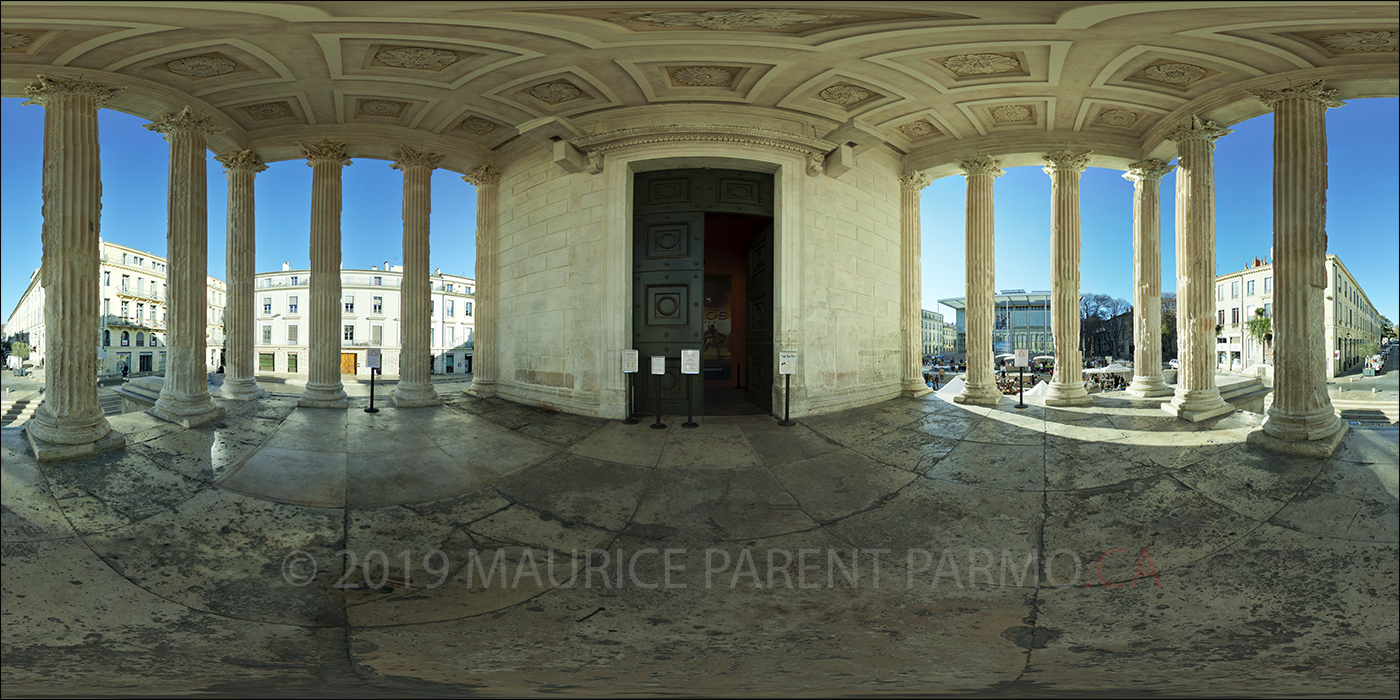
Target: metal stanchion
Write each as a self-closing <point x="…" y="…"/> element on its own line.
<point x="631" y="418"/>
<point x="1021" y="402"/>
<point x="656" y="383"/>
<point x="372" y="371"/>
<point x="689" y="407"/>
<point x="787" y="421"/>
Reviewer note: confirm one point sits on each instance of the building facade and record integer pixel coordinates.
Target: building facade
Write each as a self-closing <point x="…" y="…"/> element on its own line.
<point x="1351" y="323"/>
<point x="132" y="329"/>
<point x="371" y="315"/>
<point x="1022" y="320"/>
<point x="931" y="332"/>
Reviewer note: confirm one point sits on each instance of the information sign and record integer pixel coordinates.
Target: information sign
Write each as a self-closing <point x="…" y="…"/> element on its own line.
<point x="629" y="361"/>
<point x="690" y="362"/>
<point x="658" y="364"/>
<point x="373" y="359"/>
<point x="787" y="362"/>
<point x="1023" y="358"/>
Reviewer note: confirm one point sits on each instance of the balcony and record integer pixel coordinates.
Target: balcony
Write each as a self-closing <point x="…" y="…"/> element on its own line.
<point x="127" y="291"/>
<point x="115" y="321"/>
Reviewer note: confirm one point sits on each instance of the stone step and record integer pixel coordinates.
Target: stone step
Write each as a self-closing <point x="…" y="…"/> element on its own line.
<point x="111" y="404"/>
<point x="17" y="412"/>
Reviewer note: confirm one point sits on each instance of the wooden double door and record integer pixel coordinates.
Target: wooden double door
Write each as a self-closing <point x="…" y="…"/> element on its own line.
<point x="672" y="208"/>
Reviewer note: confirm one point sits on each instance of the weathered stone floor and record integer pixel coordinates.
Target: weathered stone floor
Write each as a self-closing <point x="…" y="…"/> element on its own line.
<point x="266" y="554"/>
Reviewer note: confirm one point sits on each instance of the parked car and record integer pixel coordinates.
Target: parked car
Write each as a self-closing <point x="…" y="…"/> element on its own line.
<point x="1174" y="363"/>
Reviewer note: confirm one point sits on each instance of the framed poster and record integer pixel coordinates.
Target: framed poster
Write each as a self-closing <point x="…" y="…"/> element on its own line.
<point x="629" y="361"/>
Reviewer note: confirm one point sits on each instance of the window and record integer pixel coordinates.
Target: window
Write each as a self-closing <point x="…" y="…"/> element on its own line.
<point x="154" y="340"/>
<point x="153" y="313"/>
<point x="1235" y="315"/>
<point x="432" y="306"/>
<point x="267" y="335"/>
<point x="126" y="283"/>
<point x="140" y="285"/>
<point x="349" y="304"/>
<point x="266" y="361"/>
<point x="379" y="305"/>
<point x="378" y="281"/>
<point x="449" y="286"/>
<point x="292" y="334"/>
<point x="126" y="338"/>
<point x="467" y="308"/>
<point x="1268" y="284"/>
<point x="451" y="335"/>
<point x="1235" y="289"/>
<point x="1221" y="318"/>
<point x="291" y="305"/>
<point x="291" y="362"/>
<point x="376" y="335"/>
<point x="267" y="305"/>
<point x="1219" y="292"/>
<point x="107" y="279"/>
<point x="450" y="310"/>
<point x="106" y="338"/>
<point x="1249" y="288"/>
<point x="295" y="280"/>
<point x="140" y="311"/>
<point x="124" y="258"/>
<point x="1268" y="309"/>
<point x="140" y="340"/>
<point x="349" y="334"/>
<point x="126" y="309"/>
<point x="107" y="307"/>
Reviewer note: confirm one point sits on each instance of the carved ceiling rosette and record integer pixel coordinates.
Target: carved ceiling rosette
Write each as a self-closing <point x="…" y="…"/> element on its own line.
<point x="1174" y="73"/>
<point x="416" y="57"/>
<point x="1013" y="113"/>
<point x="51" y="86"/>
<point x="201" y="66"/>
<point x="703" y="75"/>
<point x="326" y="151"/>
<point x="555" y="93"/>
<point x="185" y="120"/>
<point x="1361" y="41"/>
<point x="10" y="41"/>
<point x="382" y="108"/>
<point x="1150" y="169"/>
<point x="1118" y="117"/>
<point x="244" y="160"/>
<point x="1313" y="90"/>
<point x="1065" y="161"/>
<point x="410" y="157"/>
<point x="478" y="125"/>
<point x="731" y="19"/>
<point x="981" y="64"/>
<point x="918" y="129"/>
<point x="267" y="110"/>
<point x="845" y="95"/>
<point x="981" y="165"/>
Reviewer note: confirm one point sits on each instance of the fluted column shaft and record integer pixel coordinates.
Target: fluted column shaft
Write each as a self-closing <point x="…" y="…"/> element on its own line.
<point x="415" y="386"/>
<point x="1067" y="382"/>
<point x="485" y="369"/>
<point x="1301" y="410"/>
<point x="911" y="281"/>
<point x="72" y="191"/>
<point x="1197" y="397"/>
<point x="241" y="168"/>
<point x="323" y="386"/>
<point x="980" y="383"/>
<point x="184" y="397"/>
<point x="1146" y="176"/>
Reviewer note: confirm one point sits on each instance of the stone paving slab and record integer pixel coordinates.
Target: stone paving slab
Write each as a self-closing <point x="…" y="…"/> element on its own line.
<point x="267" y="551"/>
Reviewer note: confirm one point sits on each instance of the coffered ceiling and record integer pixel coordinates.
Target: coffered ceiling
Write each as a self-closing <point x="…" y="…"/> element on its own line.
<point x="936" y="80"/>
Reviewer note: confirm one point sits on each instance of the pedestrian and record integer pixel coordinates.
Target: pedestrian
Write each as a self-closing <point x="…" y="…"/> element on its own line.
<point x="125" y="371"/>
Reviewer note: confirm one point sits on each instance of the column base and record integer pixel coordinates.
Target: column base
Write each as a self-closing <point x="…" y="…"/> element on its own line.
<point x="1322" y="447"/>
<point x="185" y="419"/>
<point x="979" y="396"/>
<point x="242" y="389"/>
<point x="323" y="396"/>
<point x="416" y="396"/>
<point x="1197" y="406"/>
<point x="482" y="388"/>
<point x="1147" y="387"/>
<point x="921" y="390"/>
<point x="46" y="451"/>
<point x="1071" y="394"/>
<point x="1319" y="425"/>
<point x="67" y="431"/>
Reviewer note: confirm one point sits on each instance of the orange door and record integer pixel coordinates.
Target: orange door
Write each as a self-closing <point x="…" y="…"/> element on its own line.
<point x="348" y="363"/>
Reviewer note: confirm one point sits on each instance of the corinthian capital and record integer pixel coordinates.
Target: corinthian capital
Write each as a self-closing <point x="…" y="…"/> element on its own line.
<point x="242" y="160"/>
<point x="1307" y="91"/>
<point x="326" y="151"/>
<point x="409" y="157"/>
<point x="483" y="175"/>
<point x="1150" y="169"/>
<point x="1064" y="161"/>
<point x="185" y="120"/>
<point x="913" y="180"/>
<point x="1197" y="129"/>
<point x="50" y="86"/>
<point x="981" y="165"/>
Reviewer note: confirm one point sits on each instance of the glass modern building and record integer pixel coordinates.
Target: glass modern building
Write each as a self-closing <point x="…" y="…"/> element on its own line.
<point x="1022" y="321"/>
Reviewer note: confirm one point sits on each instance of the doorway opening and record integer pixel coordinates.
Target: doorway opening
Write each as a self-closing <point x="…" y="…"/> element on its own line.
<point x="703" y="281"/>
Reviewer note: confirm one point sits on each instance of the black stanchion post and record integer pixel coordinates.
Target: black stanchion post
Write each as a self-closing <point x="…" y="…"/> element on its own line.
<point x="1021" y="401"/>
<point x="631" y="418"/>
<point x="372" y="371"/>
<point x="689" y="407"/>
<point x="787" y="420"/>
<point x="656" y="385"/>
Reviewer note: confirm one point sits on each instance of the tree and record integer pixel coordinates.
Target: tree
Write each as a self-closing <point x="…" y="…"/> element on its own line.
<point x="20" y="350"/>
<point x="1387" y="328"/>
<point x="1261" y="330"/>
<point x="1169" y="325"/>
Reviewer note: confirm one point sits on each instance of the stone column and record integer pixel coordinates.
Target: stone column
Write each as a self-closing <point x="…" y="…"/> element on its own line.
<point x="1146" y="176"/>
<point x="184" y="397"/>
<point x="1302" y="419"/>
<point x="323" y="387"/>
<point x="1197" y="397"/>
<point x="980" y="385"/>
<point x="239" y="383"/>
<point x="70" y="422"/>
<point x="415" y="386"/>
<point x="911" y="279"/>
<point x="485" y="370"/>
<point x="1067" y="383"/>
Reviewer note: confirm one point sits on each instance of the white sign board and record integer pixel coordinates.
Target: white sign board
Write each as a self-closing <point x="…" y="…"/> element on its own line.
<point x="658" y="364"/>
<point x="787" y="362"/>
<point x="629" y="361"/>
<point x="1023" y="358"/>
<point x="373" y="359"/>
<point x="690" y="362"/>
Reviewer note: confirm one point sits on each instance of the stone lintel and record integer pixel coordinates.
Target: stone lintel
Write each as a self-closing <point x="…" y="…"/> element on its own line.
<point x="49" y="451"/>
<point x="1322" y="448"/>
<point x="1197" y="415"/>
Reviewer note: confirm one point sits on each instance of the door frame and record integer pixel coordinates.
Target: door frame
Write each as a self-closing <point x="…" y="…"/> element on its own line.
<point x="790" y="183"/>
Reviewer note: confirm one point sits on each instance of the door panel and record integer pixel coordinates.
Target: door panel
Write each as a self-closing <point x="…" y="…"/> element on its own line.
<point x="348" y="363"/>
<point x="739" y="192"/>
<point x="759" y="353"/>
<point x="667" y="291"/>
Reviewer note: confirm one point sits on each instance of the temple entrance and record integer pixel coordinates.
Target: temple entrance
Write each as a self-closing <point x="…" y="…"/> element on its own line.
<point x="703" y="280"/>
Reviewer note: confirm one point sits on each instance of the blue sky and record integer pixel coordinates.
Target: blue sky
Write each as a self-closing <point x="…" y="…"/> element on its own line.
<point x="1362" y="215"/>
